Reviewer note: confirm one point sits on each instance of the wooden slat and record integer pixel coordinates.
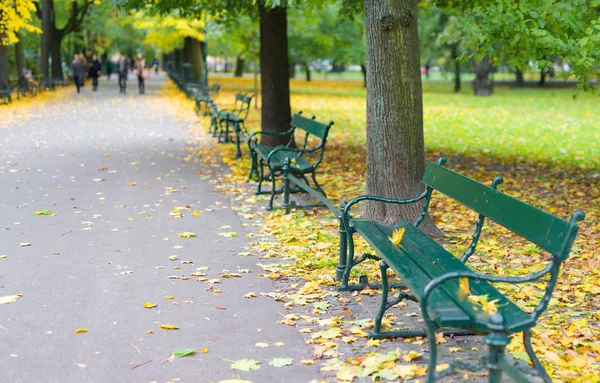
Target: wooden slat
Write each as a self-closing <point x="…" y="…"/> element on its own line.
<point x="310" y="125"/>
<point x="542" y="228"/>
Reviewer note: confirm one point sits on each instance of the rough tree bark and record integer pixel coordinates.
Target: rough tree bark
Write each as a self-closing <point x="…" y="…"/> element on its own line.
<point x="292" y="69"/>
<point x="395" y="143"/>
<point x="47" y="29"/>
<point x="482" y="85"/>
<point x="240" y="63"/>
<point x="275" y="75"/>
<point x="454" y="55"/>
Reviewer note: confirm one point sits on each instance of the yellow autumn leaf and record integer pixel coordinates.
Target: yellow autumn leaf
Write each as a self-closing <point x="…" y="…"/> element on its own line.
<point x="187" y="234"/>
<point x="373" y="343"/>
<point x="411" y="356"/>
<point x="168" y="327"/>
<point x="464" y="286"/>
<point x="397" y="235"/>
<point x="169" y="297"/>
<point x="9" y="299"/>
<point x="81" y="330"/>
<point x="149" y="305"/>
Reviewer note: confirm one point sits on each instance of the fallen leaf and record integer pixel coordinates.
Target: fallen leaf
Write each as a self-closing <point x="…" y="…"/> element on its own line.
<point x="250" y="295"/>
<point x="397" y="235"/>
<point x="168" y="327"/>
<point x="187" y="234"/>
<point x="9" y="299"/>
<point x="25" y="244"/>
<point x="262" y="344"/>
<point x="149" y="305"/>
<point x="411" y="356"/>
<point x="280" y="362"/>
<point x="183" y="352"/>
<point x="245" y="365"/>
<point x="81" y="330"/>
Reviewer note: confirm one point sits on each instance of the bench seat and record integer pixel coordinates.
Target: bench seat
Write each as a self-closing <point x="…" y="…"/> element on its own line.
<point x="419" y="259"/>
<point x="277" y="159"/>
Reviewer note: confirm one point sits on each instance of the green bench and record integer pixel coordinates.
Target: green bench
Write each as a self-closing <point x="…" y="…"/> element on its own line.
<point x="6" y="95"/>
<point x="231" y="120"/>
<point x="286" y="161"/>
<point x="204" y="98"/>
<point x="435" y="278"/>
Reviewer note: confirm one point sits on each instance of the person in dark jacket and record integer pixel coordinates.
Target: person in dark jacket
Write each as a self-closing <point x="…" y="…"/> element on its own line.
<point x="122" y="71"/>
<point x="95" y="71"/>
<point x="78" y="71"/>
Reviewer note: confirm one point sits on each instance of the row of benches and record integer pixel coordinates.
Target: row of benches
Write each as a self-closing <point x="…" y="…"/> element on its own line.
<point x="430" y="275"/>
<point x="29" y="87"/>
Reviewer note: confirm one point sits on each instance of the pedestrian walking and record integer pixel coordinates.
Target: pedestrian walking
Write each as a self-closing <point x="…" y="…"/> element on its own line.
<point x="122" y="71"/>
<point x="155" y="64"/>
<point x="140" y="66"/>
<point x="95" y="71"/>
<point x="78" y="71"/>
<point x="108" y="68"/>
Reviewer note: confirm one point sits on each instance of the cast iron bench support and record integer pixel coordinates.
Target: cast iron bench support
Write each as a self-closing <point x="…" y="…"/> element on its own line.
<point x="435" y="278"/>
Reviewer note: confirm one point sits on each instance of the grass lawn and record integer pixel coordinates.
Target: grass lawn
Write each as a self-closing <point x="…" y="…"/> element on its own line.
<point x="544" y="143"/>
<point x="543" y="126"/>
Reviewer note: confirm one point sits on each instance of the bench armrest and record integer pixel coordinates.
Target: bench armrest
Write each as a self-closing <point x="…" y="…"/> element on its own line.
<point x="434" y="283"/>
<point x="347" y="206"/>
<point x="255" y="134"/>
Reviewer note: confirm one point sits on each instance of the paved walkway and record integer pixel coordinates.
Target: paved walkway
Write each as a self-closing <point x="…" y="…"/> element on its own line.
<point x="112" y="169"/>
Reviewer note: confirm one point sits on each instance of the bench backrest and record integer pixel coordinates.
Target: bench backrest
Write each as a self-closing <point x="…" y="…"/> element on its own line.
<point x="311" y="126"/>
<point x="549" y="232"/>
<point x="242" y="104"/>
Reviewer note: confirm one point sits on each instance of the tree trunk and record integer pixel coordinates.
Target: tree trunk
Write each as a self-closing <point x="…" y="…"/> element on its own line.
<point x="19" y="59"/>
<point x="395" y="143"/>
<point x="47" y="29"/>
<point x="194" y="57"/>
<point x="519" y="81"/>
<point x="3" y="63"/>
<point x="292" y="69"/>
<point x="454" y="55"/>
<point x="363" y="69"/>
<point x="482" y="85"/>
<point x="542" y="77"/>
<point x="275" y="74"/>
<point x="57" y="72"/>
<point x="240" y="63"/>
<point x="307" y="71"/>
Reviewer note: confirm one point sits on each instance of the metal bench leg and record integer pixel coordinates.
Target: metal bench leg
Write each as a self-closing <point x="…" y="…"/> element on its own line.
<point x="272" y="191"/>
<point x="238" y="132"/>
<point x="432" y="352"/>
<point x="384" y="298"/>
<point x="253" y="169"/>
<point x="261" y="176"/>
<point x="286" y="186"/>
<point x="497" y="341"/>
<point x="541" y="371"/>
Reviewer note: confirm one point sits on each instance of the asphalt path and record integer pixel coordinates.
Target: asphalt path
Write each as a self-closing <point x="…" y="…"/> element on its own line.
<point x="112" y="171"/>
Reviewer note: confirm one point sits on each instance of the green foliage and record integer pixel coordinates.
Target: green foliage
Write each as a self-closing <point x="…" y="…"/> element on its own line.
<point x="534" y="30"/>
